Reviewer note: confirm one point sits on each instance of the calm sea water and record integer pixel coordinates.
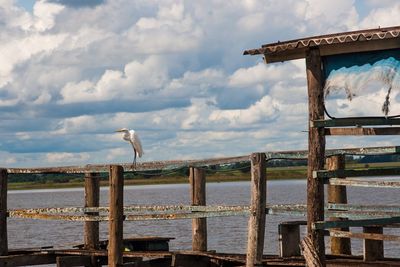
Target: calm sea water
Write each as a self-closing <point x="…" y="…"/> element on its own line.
<point x="226" y="234"/>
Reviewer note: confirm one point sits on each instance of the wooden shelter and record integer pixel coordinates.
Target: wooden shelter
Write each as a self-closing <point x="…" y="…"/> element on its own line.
<point x="315" y="50"/>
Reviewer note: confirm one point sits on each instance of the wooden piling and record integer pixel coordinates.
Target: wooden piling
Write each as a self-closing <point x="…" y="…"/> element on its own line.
<point x="116" y="217"/>
<point x="197" y="180"/>
<point x="92" y="199"/>
<point x="373" y="249"/>
<point x="337" y="194"/>
<point x="256" y="227"/>
<point x="316" y="151"/>
<point x="3" y="213"/>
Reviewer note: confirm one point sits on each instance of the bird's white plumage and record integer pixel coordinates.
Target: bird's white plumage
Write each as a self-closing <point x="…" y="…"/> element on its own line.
<point x="133" y="138"/>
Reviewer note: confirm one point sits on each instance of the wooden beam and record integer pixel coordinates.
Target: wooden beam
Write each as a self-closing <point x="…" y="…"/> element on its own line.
<point x="356" y="122"/>
<point x="92" y="199"/>
<point x="197" y="180"/>
<point x="363" y="131"/>
<point x="373" y="249"/>
<point x="363" y="183"/>
<point x="316" y="150"/>
<point x="3" y="212"/>
<point x="326" y="174"/>
<point x="256" y="226"/>
<point x="366" y="235"/>
<point x="355" y="223"/>
<point x="115" y="243"/>
<point x="69" y="261"/>
<point x="27" y="260"/>
<point x="337" y="194"/>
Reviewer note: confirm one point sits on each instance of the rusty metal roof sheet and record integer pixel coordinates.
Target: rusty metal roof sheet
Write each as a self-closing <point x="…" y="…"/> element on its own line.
<point x="296" y="48"/>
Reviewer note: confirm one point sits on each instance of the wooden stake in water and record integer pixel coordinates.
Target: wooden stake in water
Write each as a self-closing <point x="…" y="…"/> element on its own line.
<point x="115" y="240"/>
<point x="197" y="179"/>
<point x="256" y="227"/>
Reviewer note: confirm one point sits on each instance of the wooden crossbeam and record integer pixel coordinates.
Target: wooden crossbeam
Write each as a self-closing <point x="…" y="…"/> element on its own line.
<point x="364" y="183"/>
<point x="321" y="225"/>
<point x="325" y="174"/>
<point x="363" y="131"/>
<point x="356" y="122"/>
<point x="370" y="236"/>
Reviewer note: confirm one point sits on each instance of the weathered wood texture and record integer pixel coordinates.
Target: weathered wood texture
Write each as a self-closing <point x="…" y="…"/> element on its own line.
<point x="373" y="249"/>
<point x="92" y="199"/>
<point x="115" y="245"/>
<point x="356" y="122"/>
<point x="170" y="164"/>
<point x="316" y="149"/>
<point x="363" y="131"/>
<point x="256" y="227"/>
<point x="69" y="261"/>
<point x="197" y="180"/>
<point x="289" y="239"/>
<point x="337" y="194"/>
<point x="3" y="213"/>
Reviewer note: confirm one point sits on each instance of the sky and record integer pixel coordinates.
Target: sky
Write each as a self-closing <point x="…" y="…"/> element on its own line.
<point x="72" y="72"/>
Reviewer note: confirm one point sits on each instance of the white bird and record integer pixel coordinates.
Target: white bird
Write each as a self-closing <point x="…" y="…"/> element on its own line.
<point x="132" y="137"/>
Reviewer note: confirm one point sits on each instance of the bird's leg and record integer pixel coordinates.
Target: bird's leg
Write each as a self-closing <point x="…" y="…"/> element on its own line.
<point x="134" y="158"/>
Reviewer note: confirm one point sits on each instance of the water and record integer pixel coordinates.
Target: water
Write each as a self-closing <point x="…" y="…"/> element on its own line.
<point x="225" y="234"/>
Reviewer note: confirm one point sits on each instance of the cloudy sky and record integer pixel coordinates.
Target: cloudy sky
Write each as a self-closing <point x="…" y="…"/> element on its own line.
<point x="72" y="72"/>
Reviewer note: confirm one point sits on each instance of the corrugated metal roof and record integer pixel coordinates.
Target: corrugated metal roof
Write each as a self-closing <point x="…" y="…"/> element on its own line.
<point x="344" y="38"/>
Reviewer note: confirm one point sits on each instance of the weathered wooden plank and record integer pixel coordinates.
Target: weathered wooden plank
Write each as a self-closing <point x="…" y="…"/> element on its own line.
<point x="369" y="236"/>
<point x="171" y="164"/>
<point x="356" y="122"/>
<point x="338" y="194"/>
<point x="27" y="260"/>
<point x="256" y="225"/>
<point x="197" y="178"/>
<point x="355" y="223"/>
<point x="69" y="261"/>
<point x="3" y="213"/>
<point x="92" y="199"/>
<point x="115" y="245"/>
<point x="316" y="150"/>
<point x="363" y="131"/>
<point x="363" y="183"/>
<point x="363" y="208"/>
<point x="324" y="174"/>
<point x="373" y="249"/>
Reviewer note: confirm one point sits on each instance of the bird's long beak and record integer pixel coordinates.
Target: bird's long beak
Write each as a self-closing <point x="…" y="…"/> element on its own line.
<point x="119" y="130"/>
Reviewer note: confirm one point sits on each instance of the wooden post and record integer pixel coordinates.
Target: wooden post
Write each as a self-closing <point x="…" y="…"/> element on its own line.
<point x="3" y="213"/>
<point x="92" y="199"/>
<point x="289" y="238"/>
<point x="256" y="227"/>
<point x="316" y="151"/>
<point x="197" y="180"/>
<point x="337" y="194"/>
<point x="116" y="217"/>
<point x="373" y="249"/>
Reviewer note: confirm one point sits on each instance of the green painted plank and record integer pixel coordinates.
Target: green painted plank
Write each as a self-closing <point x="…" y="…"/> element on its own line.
<point x="364" y="183"/>
<point x="356" y="122"/>
<point x="354" y="223"/>
<point x="325" y="174"/>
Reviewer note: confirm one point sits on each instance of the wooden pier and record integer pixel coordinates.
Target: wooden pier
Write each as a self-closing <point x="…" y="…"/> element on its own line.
<point x="334" y="219"/>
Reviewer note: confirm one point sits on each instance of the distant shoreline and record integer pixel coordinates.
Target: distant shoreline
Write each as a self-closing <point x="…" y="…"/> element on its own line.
<point x="273" y="173"/>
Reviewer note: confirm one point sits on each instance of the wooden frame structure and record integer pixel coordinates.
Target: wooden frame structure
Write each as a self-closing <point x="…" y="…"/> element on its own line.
<point x="313" y="49"/>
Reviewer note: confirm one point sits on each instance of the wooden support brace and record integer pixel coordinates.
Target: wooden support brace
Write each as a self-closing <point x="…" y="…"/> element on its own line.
<point x="316" y="151"/>
<point x="198" y="197"/>
<point x="115" y="244"/>
<point x="256" y="227"/>
<point x="69" y="261"/>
